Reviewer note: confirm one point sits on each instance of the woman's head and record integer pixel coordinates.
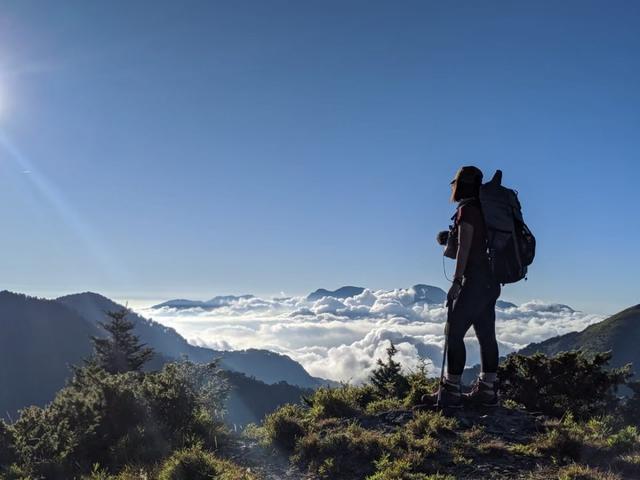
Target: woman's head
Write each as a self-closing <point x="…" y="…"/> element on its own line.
<point x="466" y="183"/>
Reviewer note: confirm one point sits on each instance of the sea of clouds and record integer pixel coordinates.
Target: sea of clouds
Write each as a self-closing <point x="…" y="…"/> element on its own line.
<point x="341" y="339"/>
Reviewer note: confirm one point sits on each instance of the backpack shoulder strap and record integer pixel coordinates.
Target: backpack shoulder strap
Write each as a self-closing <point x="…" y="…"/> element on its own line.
<point x="466" y="201"/>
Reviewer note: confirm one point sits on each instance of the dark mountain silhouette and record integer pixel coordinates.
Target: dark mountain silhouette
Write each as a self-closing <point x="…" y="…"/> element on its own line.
<point x="41" y="339"/>
<point x="342" y="292"/>
<point x="619" y="333"/>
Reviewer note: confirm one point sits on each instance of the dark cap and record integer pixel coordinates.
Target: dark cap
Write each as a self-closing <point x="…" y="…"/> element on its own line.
<point x="468" y="174"/>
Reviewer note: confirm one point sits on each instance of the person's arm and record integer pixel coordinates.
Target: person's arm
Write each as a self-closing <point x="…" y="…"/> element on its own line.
<point x="465" y="237"/>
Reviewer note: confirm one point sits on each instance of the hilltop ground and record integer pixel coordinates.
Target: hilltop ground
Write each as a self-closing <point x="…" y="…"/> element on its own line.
<point x="561" y="419"/>
<point x="499" y="443"/>
<point x="480" y="434"/>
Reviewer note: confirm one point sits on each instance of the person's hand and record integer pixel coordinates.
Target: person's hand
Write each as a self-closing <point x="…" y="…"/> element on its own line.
<point x="454" y="290"/>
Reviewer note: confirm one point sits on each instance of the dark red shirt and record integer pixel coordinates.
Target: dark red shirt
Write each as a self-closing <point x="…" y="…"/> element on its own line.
<point x="471" y="213"/>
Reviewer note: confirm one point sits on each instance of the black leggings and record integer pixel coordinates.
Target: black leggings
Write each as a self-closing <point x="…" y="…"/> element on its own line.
<point x="475" y="305"/>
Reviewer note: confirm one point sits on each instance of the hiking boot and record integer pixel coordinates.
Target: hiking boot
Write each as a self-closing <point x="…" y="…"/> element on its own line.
<point x="482" y="394"/>
<point x="450" y="396"/>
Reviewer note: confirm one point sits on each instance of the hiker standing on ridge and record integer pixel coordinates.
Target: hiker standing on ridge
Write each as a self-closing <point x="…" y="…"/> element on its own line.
<point x="471" y="299"/>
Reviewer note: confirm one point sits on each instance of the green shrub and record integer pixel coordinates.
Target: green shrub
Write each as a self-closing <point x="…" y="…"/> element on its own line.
<point x="628" y="464"/>
<point x="41" y="441"/>
<point x="283" y="427"/>
<point x="7" y="445"/>
<point x="118" y="419"/>
<point x="559" y="443"/>
<point x="403" y="469"/>
<point x="340" y="402"/>
<point x="97" y="473"/>
<point x="345" y="453"/>
<point x="511" y="404"/>
<point x="195" y="464"/>
<point x="569" y="439"/>
<point x="430" y="423"/>
<point x="14" y="472"/>
<point x="384" y="405"/>
<point x="419" y="384"/>
<point x="128" y="473"/>
<point x="403" y="443"/>
<point x="253" y="432"/>
<point x="568" y="382"/>
<point x="624" y="440"/>
<point x="362" y="395"/>
<point x="132" y="473"/>
<point x="87" y="423"/>
<point x="606" y="433"/>
<point x="394" y="469"/>
<point x="584" y="472"/>
<point x="594" y="429"/>
<point x="387" y="379"/>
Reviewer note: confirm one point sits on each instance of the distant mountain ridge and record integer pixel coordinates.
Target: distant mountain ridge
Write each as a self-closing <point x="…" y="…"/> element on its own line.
<point x="342" y="292"/>
<point x="422" y="292"/>
<point x="215" y="302"/>
<point x="619" y="333"/>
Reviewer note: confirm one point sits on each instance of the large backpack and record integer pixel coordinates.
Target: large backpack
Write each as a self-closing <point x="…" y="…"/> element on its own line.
<point x="510" y="244"/>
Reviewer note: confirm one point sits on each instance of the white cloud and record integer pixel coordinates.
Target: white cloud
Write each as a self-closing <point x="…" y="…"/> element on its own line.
<point x="341" y="339"/>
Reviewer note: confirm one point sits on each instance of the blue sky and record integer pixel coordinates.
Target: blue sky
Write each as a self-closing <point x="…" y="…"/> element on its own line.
<point x="163" y="149"/>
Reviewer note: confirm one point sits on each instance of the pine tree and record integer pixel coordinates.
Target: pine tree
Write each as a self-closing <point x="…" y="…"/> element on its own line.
<point x="121" y="351"/>
<point x="387" y="379"/>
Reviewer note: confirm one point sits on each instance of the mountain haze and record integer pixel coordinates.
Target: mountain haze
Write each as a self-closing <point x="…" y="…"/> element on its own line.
<point x="264" y="365"/>
<point x="94" y="307"/>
